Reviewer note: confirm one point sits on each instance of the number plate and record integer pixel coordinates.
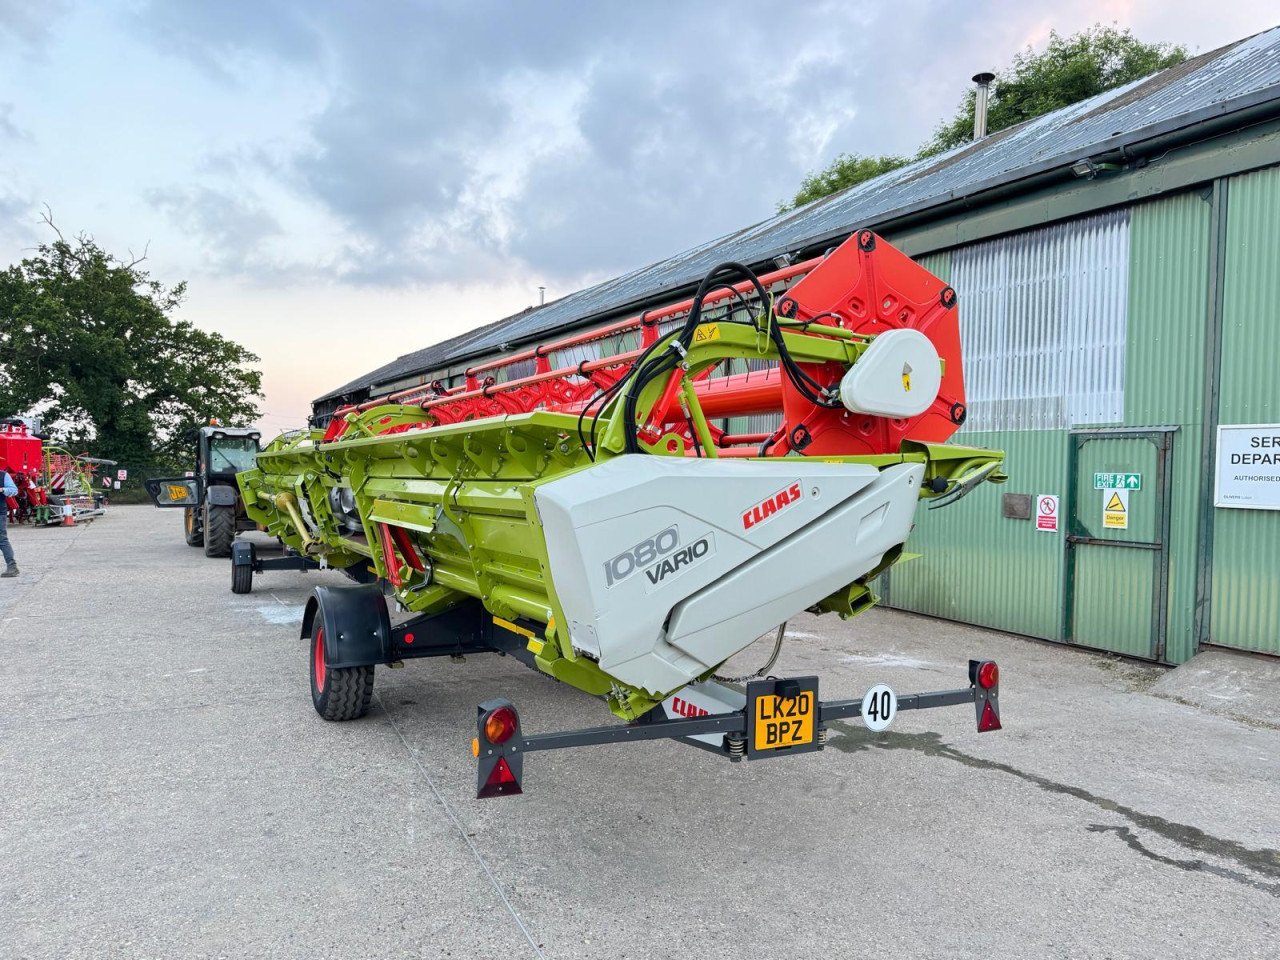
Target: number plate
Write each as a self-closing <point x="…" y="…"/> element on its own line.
<point x="782" y="716"/>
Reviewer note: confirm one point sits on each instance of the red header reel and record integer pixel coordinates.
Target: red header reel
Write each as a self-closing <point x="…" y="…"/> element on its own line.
<point x="868" y="286"/>
<point x="865" y="287"/>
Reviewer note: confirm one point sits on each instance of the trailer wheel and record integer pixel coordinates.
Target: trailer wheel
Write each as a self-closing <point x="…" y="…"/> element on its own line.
<point x="219" y="530"/>
<point x="241" y="578"/>
<point x="337" y="693"/>
<point x="191" y="528"/>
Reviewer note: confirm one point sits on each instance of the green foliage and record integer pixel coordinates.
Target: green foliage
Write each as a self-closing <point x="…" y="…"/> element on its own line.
<point x="843" y="172"/>
<point x="89" y="341"/>
<point x="1069" y="70"/>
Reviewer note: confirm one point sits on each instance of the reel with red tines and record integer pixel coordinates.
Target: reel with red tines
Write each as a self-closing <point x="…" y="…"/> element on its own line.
<point x="869" y="287"/>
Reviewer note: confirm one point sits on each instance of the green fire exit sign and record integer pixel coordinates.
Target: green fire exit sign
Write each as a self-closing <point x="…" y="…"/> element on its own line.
<point x="1117" y="481"/>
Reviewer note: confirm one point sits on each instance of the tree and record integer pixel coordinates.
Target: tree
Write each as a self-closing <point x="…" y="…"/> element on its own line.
<point x="1069" y="70"/>
<point x="88" y="341"/>
<point x="843" y="172"/>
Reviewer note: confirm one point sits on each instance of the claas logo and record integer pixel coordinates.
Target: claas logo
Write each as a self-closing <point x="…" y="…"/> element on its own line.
<point x="771" y="506"/>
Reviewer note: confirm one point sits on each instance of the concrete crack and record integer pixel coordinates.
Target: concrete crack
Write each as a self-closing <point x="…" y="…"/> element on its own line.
<point x="1265" y="862"/>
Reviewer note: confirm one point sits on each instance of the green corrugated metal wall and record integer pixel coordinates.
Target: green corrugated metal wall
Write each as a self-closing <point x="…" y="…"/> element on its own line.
<point x="977" y="566"/>
<point x="1164" y="374"/>
<point x="939" y="264"/>
<point x="1245" y="595"/>
<point x="982" y="568"/>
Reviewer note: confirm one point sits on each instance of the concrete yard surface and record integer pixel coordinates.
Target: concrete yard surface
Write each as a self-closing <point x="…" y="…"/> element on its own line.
<point x="168" y="791"/>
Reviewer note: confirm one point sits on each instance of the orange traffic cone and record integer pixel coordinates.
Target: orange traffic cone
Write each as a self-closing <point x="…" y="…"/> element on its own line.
<point x="68" y="517"/>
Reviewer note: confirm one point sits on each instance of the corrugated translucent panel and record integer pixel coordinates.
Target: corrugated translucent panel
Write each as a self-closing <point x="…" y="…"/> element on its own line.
<point x="522" y="368"/>
<point x="1246" y="543"/>
<point x="1042" y="318"/>
<point x="762" y="422"/>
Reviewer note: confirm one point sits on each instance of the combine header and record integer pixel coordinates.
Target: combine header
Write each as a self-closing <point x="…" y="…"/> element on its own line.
<point x="592" y="519"/>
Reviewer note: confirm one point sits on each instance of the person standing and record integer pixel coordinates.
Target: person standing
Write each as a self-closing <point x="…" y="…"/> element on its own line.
<point x="8" y="489"/>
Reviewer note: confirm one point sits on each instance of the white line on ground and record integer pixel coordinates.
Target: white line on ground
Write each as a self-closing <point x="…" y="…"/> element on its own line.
<point x="475" y="851"/>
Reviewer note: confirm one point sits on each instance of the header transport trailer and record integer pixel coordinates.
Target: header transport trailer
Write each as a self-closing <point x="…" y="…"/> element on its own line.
<point x="592" y="522"/>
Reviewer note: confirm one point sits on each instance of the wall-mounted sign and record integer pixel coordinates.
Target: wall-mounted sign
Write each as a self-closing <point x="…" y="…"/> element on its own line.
<point x="1115" y="509"/>
<point x="1117" y="481"/>
<point x="1247" y="474"/>
<point x="1047" y="512"/>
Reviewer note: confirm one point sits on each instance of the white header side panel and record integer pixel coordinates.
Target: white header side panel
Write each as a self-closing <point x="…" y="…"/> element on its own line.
<point x="631" y="538"/>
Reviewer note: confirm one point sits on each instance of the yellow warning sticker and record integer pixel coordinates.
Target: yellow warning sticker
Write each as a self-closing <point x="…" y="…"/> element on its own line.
<point x="1115" y="509"/>
<point x="706" y="332"/>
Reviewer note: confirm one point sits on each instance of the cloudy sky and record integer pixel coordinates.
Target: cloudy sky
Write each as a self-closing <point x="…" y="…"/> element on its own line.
<point x="343" y="182"/>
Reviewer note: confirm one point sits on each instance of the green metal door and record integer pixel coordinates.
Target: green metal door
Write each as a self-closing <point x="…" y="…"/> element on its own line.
<point x="1117" y="565"/>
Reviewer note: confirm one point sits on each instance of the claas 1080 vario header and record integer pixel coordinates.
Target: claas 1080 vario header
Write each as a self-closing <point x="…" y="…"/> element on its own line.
<point x="593" y="521"/>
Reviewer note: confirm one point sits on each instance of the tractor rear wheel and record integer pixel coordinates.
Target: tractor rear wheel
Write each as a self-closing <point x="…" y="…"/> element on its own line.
<point x="191" y="528"/>
<point x="337" y="693"/>
<point x="219" y="530"/>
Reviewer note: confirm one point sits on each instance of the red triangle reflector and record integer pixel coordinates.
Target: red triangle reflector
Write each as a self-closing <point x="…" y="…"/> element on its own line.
<point x="501" y="781"/>
<point x="990" y="719"/>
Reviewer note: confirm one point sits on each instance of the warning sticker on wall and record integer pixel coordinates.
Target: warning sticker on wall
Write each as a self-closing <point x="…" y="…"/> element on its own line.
<point x="1115" y="509"/>
<point x="1046" y="512"/>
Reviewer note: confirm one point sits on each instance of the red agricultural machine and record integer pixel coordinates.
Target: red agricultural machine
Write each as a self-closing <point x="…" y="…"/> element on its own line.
<point x="55" y="488"/>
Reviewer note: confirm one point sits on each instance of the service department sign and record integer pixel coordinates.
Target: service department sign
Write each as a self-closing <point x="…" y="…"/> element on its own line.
<point x="1247" y="474"/>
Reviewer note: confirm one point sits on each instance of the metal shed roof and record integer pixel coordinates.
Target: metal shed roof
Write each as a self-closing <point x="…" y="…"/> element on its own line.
<point x="1236" y="77"/>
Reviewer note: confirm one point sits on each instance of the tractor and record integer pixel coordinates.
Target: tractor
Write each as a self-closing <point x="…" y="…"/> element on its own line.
<point x="219" y="514"/>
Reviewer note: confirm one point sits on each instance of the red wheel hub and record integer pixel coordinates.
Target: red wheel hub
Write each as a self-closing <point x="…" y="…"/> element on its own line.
<point x="317" y="659"/>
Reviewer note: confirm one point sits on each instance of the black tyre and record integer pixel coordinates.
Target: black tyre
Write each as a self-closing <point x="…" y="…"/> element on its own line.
<point x="337" y="694"/>
<point x="241" y="578"/>
<point x="219" y="530"/>
<point x="191" y="527"/>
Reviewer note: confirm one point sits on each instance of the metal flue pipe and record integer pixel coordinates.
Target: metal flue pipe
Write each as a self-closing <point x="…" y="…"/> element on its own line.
<point x="983" y="80"/>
